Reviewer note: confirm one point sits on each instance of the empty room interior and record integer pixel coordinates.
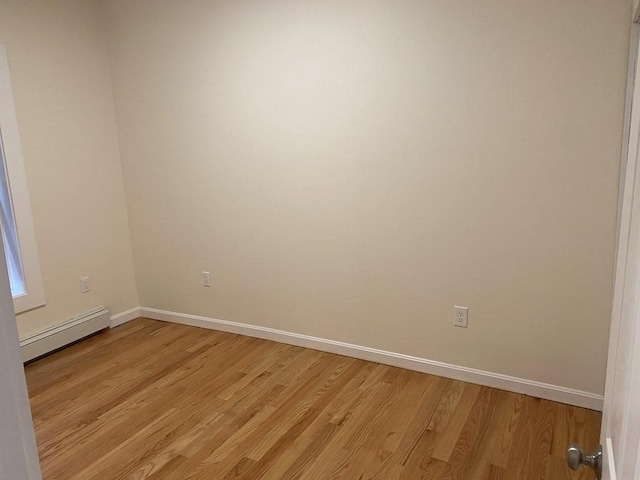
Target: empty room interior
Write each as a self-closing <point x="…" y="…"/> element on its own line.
<point x="314" y="239"/>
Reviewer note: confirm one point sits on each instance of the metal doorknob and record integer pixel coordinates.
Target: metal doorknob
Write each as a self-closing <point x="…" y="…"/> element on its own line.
<point x="576" y="457"/>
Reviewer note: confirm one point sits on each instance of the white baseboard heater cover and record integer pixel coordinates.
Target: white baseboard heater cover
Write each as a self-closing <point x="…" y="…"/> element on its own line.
<point x="65" y="333"/>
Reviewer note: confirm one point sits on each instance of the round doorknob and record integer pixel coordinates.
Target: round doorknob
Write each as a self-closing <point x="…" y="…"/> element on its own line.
<point x="576" y="457"/>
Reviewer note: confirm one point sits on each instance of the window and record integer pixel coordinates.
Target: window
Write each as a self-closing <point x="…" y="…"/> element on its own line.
<point x="9" y="232"/>
<point x="16" y="223"/>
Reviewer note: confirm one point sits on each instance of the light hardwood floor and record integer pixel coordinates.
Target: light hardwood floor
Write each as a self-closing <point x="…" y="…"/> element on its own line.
<point x="161" y="401"/>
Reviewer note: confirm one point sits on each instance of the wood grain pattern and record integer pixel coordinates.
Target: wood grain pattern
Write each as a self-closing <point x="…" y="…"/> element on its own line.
<point x="152" y="400"/>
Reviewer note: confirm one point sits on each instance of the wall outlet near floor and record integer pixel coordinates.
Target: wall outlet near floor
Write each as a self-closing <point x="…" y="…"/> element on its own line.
<point x="461" y="316"/>
<point x="206" y="279"/>
<point x="85" y="286"/>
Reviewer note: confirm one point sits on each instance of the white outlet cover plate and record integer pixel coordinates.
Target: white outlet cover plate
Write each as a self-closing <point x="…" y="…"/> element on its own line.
<point x="461" y="316"/>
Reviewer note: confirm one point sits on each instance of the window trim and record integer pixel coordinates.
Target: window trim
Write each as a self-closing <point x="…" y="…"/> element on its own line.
<point x="16" y="177"/>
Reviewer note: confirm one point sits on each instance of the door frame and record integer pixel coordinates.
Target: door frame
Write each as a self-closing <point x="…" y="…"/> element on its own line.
<point x="18" y="451"/>
<point x="627" y="223"/>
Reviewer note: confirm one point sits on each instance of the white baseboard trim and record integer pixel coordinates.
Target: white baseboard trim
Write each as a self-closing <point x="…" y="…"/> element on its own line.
<point x="471" y="375"/>
<point x="124" y="317"/>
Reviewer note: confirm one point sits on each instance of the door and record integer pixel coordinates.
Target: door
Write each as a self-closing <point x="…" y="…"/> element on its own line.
<point x="620" y="435"/>
<point x="18" y="453"/>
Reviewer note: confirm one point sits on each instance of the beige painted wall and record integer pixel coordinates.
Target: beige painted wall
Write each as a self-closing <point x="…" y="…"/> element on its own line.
<point x="349" y="170"/>
<point x="352" y="169"/>
<point x="62" y="87"/>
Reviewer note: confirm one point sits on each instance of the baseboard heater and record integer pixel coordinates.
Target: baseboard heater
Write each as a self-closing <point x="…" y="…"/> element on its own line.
<point x="65" y="333"/>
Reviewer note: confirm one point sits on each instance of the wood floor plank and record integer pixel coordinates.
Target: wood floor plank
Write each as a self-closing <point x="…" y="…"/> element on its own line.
<point x="469" y="456"/>
<point x="504" y="444"/>
<point x="153" y="400"/>
<point x="526" y="453"/>
<point x="446" y="407"/>
<point x="447" y="440"/>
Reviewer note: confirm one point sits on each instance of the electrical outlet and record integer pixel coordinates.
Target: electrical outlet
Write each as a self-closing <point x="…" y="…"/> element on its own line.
<point x="461" y="316"/>
<point x="85" y="286"/>
<point x="206" y="279"/>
